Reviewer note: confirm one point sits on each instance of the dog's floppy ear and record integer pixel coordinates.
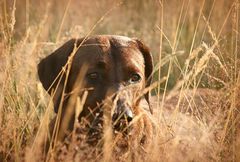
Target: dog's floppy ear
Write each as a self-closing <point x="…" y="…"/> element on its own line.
<point x="50" y="67"/>
<point x="148" y="67"/>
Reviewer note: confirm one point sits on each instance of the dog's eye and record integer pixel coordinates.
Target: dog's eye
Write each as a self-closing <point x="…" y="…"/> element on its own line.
<point x="93" y="76"/>
<point x="135" y="78"/>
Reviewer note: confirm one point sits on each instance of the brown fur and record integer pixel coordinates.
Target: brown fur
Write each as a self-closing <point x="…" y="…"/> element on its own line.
<point x="115" y="59"/>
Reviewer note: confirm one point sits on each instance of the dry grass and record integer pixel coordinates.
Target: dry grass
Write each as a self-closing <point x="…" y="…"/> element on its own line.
<point x="195" y="45"/>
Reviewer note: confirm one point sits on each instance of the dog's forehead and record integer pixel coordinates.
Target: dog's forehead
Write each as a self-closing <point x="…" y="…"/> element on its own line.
<point x="127" y="56"/>
<point x="112" y="50"/>
<point x="111" y="40"/>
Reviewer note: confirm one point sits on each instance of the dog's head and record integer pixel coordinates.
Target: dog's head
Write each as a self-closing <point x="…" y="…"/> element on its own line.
<point x="115" y="67"/>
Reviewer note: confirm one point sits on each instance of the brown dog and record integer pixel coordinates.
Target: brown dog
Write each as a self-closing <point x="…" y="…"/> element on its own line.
<point x="107" y="67"/>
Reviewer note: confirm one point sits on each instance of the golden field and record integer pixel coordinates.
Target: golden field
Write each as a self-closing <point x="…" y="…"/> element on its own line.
<point x="196" y="50"/>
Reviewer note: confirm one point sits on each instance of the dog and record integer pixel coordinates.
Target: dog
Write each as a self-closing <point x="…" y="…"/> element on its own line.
<point x="109" y="68"/>
<point x="103" y="81"/>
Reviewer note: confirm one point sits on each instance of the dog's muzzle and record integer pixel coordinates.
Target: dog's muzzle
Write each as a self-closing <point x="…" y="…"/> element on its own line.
<point x="122" y="116"/>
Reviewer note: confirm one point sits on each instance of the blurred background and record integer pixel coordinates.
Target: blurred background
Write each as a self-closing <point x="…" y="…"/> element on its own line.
<point x="172" y="29"/>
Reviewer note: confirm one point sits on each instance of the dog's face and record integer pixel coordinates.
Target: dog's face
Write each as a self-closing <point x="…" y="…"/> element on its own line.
<point x="115" y="67"/>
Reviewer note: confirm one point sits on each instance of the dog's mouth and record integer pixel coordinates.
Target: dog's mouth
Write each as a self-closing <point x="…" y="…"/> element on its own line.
<point x="122" y="123"/>
<point x="122" y="126"/>
<point x="95" y="132"/>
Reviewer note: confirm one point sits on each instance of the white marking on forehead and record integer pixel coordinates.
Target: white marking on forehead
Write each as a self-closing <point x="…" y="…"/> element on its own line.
<point x="123" y="40"/>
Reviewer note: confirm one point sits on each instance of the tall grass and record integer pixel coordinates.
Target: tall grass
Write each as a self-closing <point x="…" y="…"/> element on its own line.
<point x="195" y="45"/>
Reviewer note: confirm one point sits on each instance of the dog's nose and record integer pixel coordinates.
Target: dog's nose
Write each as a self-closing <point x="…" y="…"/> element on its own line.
<point x="126" y="115"/>
<point x="122" y="116"/>
<point x="122" y="112"/>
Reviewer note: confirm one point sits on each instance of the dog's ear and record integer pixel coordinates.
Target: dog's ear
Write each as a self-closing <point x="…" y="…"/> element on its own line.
<point x="50" y="70"/>
<point x="148" y="67"/>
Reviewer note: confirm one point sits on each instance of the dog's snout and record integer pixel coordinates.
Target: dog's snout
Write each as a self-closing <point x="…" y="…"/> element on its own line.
<point x="123" y="115"/>
<point x="123" y="111"/>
